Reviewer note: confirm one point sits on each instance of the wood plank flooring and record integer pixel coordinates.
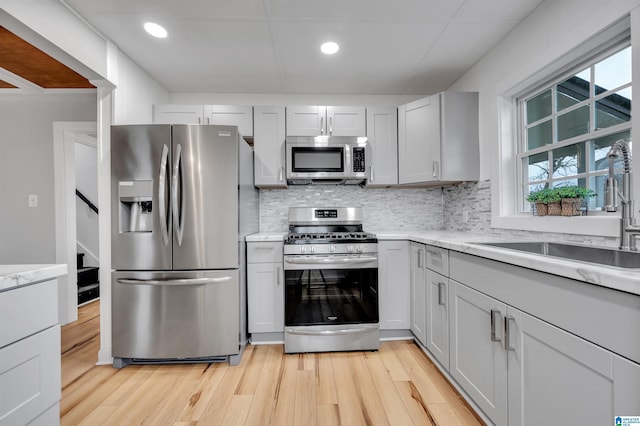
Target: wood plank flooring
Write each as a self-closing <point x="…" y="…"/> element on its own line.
<point x="398" y="385"/>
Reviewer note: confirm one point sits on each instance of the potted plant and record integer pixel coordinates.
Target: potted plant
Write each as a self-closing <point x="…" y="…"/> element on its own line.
<point x="571" y="198"/>
<point x="552" y="198"/>
<point x="540" y="199"/>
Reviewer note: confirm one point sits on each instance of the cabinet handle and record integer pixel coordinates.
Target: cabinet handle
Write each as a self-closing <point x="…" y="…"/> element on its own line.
<point x="371" y="174"/>
<point x="322" y="125"/>
<point x="509" y="325"/>
<point x="496" y="326"/>
<point x="281" y="174"/>
<point x="199" y="120"/>
<point x="278" y="280"/>
<point x="436" y="169"/>
<point x="419" y="258"/>
<point x="208" y="120"/>
<point x="330" y="126"/>
<point x="441" y="294"/>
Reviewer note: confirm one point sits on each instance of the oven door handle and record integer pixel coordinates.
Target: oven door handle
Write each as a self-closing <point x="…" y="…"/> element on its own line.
<point x="347" y="331"/>
<point x="322" y="260"/>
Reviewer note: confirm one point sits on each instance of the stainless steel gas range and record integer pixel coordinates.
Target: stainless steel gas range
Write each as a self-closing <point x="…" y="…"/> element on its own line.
<point x="331" y="276"/>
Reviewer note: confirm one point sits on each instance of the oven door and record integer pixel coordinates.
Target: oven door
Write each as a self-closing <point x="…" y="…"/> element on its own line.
<point x="331" y="289"/>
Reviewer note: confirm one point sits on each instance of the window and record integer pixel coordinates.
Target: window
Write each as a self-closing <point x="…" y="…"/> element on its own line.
<point x="569" y="126"/>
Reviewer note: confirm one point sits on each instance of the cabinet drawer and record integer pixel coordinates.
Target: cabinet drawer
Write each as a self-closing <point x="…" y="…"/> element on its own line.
<point x="437" y="260"/>
<point x="30" y="368"/>
<point x="27" y="310"/>
<point x="264" y="252"/>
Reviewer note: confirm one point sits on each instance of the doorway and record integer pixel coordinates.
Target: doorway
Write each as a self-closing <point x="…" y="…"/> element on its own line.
<point x="72" y="139"/>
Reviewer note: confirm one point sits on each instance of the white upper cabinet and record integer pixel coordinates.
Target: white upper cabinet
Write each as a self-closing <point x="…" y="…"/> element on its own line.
<point x="326" y="120"/>
<point x="268" y="146"/>
<point x="438" y="139"/>
<point x="382" y="137"/>
<point x="228" y="115"/>
<point x="231" y="115"/>
<point x="178" y="114"/>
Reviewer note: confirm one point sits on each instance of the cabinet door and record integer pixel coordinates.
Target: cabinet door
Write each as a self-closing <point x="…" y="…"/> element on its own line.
<point x="268" y="146"/>
<point x="306" y="120"/>
<point x="382" y="137"/>
<point x="346" y="121"/>
<point x="30" y="377"/>
<point x="558" y="378"/>
<point x="178" y="114"/>
<point x="393" y="284"/>
<point x="419" y="141"/>
<point x="418" y="296"/>
<point x="265" y="297"/>
<point x="478" y="361"/>
<point x="231" y="115"/>
<point x="437" y="312"/>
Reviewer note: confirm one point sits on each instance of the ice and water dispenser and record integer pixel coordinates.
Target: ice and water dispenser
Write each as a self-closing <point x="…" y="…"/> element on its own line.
<point x="136" y="205"/>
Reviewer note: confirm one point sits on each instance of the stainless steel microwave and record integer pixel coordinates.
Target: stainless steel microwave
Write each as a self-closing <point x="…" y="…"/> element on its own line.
<point x="326" y="159"/>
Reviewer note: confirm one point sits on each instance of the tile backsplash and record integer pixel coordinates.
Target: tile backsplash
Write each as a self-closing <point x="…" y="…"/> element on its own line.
<point x="384" y="209"/>
<point x="399" y="209"/>
<point x="475" y="198"/>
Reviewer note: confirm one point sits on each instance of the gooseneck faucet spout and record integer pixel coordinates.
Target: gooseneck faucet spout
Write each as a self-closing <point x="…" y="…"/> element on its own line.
<point x="628" y="228"/>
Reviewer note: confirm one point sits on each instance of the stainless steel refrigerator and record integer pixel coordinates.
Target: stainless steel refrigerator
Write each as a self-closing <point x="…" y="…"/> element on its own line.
<point x="182" y="202"/>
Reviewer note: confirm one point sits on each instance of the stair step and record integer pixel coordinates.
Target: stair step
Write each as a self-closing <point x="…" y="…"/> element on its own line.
<point x="88" y="293"/>
<point x="87" y="276"/>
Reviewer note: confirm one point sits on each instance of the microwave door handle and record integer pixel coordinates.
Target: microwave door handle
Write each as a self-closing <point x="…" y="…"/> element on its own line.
<point x="347" y="160"/>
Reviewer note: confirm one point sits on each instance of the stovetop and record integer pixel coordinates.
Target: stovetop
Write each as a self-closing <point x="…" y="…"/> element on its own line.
<point x="329" y="237"/>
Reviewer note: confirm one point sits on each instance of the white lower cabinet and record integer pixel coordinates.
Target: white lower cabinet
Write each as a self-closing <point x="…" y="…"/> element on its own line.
<point x="418" y="284"/>
<point x="478" y="361"/>
<point x="437" y="316"/>
<point x="521" y="370"/>
<point x="30" y="379"/>
<point x="265" y="287"/>
<point x="393" y="284"/>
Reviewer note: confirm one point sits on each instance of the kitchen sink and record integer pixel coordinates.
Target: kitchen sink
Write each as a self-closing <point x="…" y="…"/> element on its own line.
<point x="599" y="255"/>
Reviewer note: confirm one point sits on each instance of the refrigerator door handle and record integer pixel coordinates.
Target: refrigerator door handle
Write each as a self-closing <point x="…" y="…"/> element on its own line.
<point x="178" y="210"/>
<point x="178" y="281"/>
<point x="162" y="187"/>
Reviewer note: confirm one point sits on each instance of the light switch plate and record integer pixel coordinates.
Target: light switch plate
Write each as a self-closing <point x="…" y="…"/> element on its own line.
<point x="33" y="200"/>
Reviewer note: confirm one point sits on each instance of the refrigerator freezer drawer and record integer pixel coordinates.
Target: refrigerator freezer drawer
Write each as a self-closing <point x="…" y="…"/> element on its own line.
<point x="175" y="315"/>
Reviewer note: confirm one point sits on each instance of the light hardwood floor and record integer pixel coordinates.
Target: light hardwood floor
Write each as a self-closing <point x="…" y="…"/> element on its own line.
<point x="397" y="385"/>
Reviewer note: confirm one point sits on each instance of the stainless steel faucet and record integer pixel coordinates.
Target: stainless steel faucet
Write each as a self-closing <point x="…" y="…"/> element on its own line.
<point x="628" y="228"/>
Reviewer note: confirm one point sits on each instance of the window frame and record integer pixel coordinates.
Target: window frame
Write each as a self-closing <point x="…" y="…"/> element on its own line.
<point x="504" y="190"/>
<point x="587" y="63"/>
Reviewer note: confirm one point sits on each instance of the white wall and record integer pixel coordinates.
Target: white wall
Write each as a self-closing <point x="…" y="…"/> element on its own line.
<point x="284" y="99"/>
<point x="86" y="165"/>
<point x="27" y="235"/>
<point x="135" y="94"/>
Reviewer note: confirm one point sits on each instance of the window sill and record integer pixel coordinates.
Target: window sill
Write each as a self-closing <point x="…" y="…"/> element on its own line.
<point x="601" y="225"/>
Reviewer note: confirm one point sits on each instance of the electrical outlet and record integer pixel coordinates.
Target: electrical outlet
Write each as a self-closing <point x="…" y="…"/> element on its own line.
<point x="465" y="216"/>
<point x="33" y="200"/>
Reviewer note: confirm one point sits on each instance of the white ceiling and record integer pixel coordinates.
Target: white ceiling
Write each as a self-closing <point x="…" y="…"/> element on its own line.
<point x="392" y="47"/>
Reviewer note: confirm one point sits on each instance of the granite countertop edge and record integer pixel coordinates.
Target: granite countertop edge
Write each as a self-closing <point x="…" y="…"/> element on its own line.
<point x="622" y="279"/>
<point x="14" y="276"/>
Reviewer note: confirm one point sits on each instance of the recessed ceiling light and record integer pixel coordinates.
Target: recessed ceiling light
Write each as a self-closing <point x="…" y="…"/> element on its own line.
<point x="155" y="29"/>
<point x="329" y="48"/>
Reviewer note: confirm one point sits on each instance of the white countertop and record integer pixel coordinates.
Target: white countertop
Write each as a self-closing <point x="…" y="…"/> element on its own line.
<point x="622" y="279"/>
<point x="264" y="237"/>
<point x="18" y="275"/>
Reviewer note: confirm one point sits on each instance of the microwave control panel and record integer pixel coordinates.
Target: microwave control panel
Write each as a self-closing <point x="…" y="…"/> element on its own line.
<point x="358" y="160"/>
